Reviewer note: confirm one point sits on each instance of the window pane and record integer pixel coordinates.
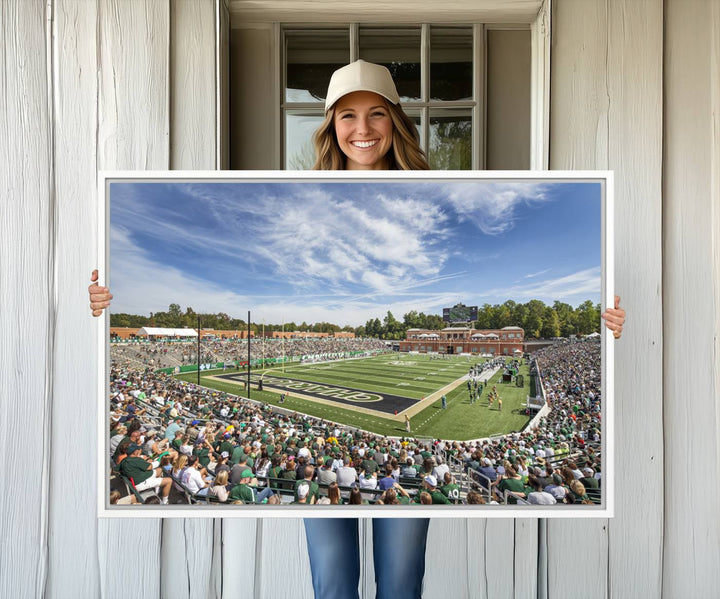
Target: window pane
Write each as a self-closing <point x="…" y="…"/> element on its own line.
<point x="299" y="150"/>
<point x="311" y="58"/>
<point x="508" y="100"/>
<point x="414" y="114"/>
<point x="450" y="139"/>
<point x="451" y="55"/>
<point x="399" y="51"/>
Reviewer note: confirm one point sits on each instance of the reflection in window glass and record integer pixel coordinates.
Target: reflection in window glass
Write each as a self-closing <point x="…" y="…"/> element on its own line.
<point x="399" y="51"/>
<point x="299" y="150"/>
<point x="311" y="58"/>
<point x="451" y="55"/>
<point x="450" y="146"/>
<point x="415" y="117"/>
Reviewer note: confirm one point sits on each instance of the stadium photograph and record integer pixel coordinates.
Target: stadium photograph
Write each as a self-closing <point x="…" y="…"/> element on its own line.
<point x="293" y="341"/>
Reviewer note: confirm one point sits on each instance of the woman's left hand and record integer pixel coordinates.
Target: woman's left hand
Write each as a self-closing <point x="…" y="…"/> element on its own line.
<point x="99" y="296"/>
<point x="615" y="318"/>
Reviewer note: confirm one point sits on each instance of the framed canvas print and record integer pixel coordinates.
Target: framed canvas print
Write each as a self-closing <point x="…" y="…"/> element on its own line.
<point x="334" y="344"/>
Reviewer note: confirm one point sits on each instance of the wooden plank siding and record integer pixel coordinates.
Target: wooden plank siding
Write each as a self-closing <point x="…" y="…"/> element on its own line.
<point x="691" y="329"/>
<point x="635" y="117"/>
<point x="579" y="102"/>
<point x="133" y="130"/>
<point x="27" y="206"/>
<point x="73" y="524"/>
<point x="106" y="84"/>
<point x="606" y="113"/>
<point x="190" y="568"/>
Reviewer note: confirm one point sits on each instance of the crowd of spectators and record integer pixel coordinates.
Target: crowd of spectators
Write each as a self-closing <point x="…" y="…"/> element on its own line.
<point x="219" y="447"/>
<point x="171" y="353"/>
<point x="561" y="456"/>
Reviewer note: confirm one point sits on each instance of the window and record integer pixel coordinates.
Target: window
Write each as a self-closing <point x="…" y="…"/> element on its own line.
<point x="478" y="93"/>
<point x="439" y="71"/>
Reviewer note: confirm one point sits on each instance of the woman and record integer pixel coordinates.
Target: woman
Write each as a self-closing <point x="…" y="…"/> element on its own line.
<point x="334" y="494"/>
<point x="178" y="469"/>
<point x="354" y="499"/>
<point x="577" y="492"/>
<point x="364" y="129"/>
<point x="219" y="487"/>
<point x="263" y="464"/>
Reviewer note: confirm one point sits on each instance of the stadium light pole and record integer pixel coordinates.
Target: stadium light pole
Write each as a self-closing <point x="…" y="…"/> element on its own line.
<point x="248" y="373"/>
<point x="198" y="352"/>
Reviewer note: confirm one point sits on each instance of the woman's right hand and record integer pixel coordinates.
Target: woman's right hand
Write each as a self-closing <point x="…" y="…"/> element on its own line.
<point x="99" y="296"/>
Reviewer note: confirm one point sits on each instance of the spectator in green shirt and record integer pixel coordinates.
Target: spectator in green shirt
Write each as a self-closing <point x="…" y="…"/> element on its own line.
<point x="430" y="487"/>
<point x="512" y="482"/>
<point x="248" y="492"/>
<point x="302" y="491"/>
<point x="451" y="489"/>
<point x="314" y="489"/>
<point x="141" y="472"/>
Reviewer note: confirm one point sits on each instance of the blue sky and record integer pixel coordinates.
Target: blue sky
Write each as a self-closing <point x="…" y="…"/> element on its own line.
<point x="344" y="252"/>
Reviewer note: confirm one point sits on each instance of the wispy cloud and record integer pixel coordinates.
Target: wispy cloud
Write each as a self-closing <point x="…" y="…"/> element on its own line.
<point x="141" y="285"/>
<point x="493" y="207"/>
<point x="307" y="234"/>
<point x="584" y="282"/>
<point x="536" y="274"/>
<point x="341" y="252"/>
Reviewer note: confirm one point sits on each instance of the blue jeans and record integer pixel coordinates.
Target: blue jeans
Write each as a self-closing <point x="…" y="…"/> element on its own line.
<point x="264" y="494"/>
<point x="398" y="553"/>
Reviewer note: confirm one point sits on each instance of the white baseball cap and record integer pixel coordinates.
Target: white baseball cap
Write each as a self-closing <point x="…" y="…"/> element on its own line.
<point x="361" y="76"/>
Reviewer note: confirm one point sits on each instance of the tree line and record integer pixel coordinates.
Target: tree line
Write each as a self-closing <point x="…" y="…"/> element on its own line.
<point x="175" y="318"/>
<point x="537" y="319"/>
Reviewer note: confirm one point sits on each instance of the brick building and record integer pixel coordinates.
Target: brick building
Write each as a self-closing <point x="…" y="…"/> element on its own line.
<point x="129" y="333"/>
<point x="507" y="341"/>
<point x="307" y="335"/>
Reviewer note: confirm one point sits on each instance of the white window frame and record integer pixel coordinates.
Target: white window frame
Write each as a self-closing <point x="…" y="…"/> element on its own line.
<point x="476" y="106"/>
<point x="536" y="15"/>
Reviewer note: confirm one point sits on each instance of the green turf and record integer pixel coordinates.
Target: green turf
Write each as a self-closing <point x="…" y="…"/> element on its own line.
<point x="409" y="376"/>
<point x="414" y="376"/>
<point x="463" y="420"/>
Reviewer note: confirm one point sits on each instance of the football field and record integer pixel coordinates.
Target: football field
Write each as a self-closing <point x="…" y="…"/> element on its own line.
<point x="377" y="393"/>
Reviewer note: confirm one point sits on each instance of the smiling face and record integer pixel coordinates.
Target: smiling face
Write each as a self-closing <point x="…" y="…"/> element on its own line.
<point x="364" y="130"/>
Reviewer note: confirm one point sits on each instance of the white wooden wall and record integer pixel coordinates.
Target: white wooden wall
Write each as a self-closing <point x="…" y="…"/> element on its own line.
<point x="109" y="85"/>
<point x="691" y="298"/>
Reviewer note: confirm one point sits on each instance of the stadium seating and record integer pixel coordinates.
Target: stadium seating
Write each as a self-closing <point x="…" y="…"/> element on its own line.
<point x="571" y="373"/>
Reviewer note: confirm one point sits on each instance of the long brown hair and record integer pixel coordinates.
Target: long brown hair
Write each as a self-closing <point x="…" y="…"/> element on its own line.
<point x="405" y="154"/>
<point x="334" y="493"/>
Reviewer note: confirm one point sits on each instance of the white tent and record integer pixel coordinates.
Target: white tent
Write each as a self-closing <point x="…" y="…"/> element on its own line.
<point x="161" y="332"/>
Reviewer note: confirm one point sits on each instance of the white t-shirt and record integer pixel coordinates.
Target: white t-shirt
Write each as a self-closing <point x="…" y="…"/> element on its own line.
<point x="346" y="476"/>
<point x="368" y="483"/>
<point x="192" y="480"/>
<point x="541" y="498"/>
<point x="186" y="450"/>
<point x="439" y="472"/>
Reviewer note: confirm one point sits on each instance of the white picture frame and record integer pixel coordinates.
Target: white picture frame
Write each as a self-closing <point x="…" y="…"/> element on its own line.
<point x="381" y="178"/>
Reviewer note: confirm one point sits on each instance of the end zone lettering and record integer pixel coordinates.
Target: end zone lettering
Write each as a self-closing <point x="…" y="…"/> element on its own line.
<point x="323" y="390"/>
